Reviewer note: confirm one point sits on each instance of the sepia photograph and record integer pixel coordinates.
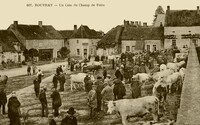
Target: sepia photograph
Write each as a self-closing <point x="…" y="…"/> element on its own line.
<point x="100" y="62"/>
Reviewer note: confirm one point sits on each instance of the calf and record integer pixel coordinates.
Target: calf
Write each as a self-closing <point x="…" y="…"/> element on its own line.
<point x="135" y="107"/>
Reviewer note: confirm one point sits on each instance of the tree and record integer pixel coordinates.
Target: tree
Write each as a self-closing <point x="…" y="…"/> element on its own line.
<point x="159" y="10"/>
<point x="26" y="54"/>
<point x="64" y="52"/>
<point x="33" y="53"/>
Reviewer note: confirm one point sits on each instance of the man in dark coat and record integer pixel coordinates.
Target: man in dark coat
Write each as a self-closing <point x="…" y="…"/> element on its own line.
<point x="3" y="101"/>
<point x="119" y="89"/>
<point x="29" y="70"/>
<point x="14" y="110"/>
<point x="55" y="81"/>
<point x="136" y="89"/>
<point x="36" y="86"/>
<point x="88" y="83"/>
<point x="70" y="119"/>
<point x="118" y="74"/>
<point x="104" y="72"/>
<point x="56" y="101"/>
<point x="43" y="101"/>
<point x="100" y="87"/>
<point x="62" y="81"/>
<point x="51" y="120"/>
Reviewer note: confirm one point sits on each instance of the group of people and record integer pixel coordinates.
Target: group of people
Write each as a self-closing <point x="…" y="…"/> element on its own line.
<point x="34" y="68"/>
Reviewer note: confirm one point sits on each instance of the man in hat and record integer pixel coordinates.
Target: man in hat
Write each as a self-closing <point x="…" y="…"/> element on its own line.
<point x="36" y="86"/>
<point x="56" y="101"/>
<point x="43" y="101"/>
<point x="29" y="70"/>
<point x="100" y="87"/>
<point x="104" y="72"/>
<point x="70" y="119"/>
<point x="51" y="120"/>
<point x="14" y="110"/>
<point x="92" y="100"/>
<point x="55" y="80"/>
<point x="118" y="74"/>
<point x="62" y="80"/>
<point x="87" y="81"/>
<point x="143" y="68"/>
<point x="119" y="89"/>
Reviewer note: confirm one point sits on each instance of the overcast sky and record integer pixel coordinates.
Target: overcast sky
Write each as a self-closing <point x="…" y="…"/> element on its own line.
<point x="98" y="18"/>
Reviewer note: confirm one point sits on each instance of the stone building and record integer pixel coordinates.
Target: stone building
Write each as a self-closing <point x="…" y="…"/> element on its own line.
<point x="44" y="38"/>
<point x="181" y="27"/>
<point x="10" y="47"/>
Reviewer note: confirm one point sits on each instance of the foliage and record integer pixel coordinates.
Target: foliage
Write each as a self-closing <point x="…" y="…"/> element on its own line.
<point x="33" y="53"/>
<point x="26" y="54"/>
<point x="64" y="51"/>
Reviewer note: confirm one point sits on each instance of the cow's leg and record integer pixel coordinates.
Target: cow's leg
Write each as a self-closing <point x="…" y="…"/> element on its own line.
<point x="124" y="120"/>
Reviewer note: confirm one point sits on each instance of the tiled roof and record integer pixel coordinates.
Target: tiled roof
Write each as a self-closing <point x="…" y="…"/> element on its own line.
<point x="85" y="32"/>
<point x="66" y="33"/>
<point x="182" y="18"/>
<point x="31" y="32"/>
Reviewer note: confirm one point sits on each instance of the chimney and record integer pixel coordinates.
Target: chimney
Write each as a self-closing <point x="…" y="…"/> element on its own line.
<point x="75" y="28"/>
<point x="140" y="23"/>
<point x="168" y="8"/>
<point x="132" y="23"/>
<point x="136" y="23"/>
<point x="198" y="10"/>
<point x="40" y="23"/>
<point x="124" y="22"/>
<point x="15" y="23"/>
<point x="145" y="24"/>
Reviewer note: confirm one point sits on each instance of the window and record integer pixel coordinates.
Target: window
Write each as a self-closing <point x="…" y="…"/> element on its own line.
<point x="78" y="52"/>
<point x="148" y="48"/>
<point x="173" y="42"/>
<point x="77" y="42"/>
<point x="133" y="48"/>
<point x="154" y="48"/>
<point x="92" y="51"/>
<point x="195" y="42"/>
<point x="128" y="48"/>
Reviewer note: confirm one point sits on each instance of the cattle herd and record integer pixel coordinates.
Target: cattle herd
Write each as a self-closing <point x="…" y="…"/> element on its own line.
<point x="151" y="78"/>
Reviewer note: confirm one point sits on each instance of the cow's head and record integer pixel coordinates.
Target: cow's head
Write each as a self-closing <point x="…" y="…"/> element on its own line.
<point x="135" y="77"/>
<point x="111" y="106"/>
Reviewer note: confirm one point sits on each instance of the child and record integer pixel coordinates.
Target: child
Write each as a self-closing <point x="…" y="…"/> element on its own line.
<point x="92" y="101"/>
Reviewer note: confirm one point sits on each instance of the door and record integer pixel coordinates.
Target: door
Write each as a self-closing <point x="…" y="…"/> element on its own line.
<point x="148" y="48"/>
<point x="85" y="53"/>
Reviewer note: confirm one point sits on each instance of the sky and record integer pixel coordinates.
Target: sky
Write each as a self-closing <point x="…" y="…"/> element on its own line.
<point x="101" y="18"/>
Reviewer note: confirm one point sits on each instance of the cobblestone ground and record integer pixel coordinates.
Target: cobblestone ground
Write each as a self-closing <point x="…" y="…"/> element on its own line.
<point x="76" y="99"/>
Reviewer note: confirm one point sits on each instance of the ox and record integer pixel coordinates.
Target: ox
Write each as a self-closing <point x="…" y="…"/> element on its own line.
<point x="142" y="77"/>
<point x="79" y="78"/>
<point x="156" y="76"/>
<point x="135" y="108"/>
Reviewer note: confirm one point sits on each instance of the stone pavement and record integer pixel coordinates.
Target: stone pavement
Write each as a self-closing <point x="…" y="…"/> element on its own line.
<point x="189" y="112"/>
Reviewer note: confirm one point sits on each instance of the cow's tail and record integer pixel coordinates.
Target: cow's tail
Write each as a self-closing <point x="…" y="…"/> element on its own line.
<point x="157" y="105"/>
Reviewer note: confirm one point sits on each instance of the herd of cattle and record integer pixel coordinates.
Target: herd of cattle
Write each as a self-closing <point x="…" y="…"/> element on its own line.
<point x="168" y="79"/>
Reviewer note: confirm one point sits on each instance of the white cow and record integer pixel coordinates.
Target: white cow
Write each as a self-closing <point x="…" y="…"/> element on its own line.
<point x="163" y="67"/>
<point x="142" y="77"/>
<point x="135" y="107"/>
<point x="182" y="72"/>
<point x="173" y="66"/>
<point x="174" y="78"/>
<point x="79" y="78"/>
<point x="156" y="76"/>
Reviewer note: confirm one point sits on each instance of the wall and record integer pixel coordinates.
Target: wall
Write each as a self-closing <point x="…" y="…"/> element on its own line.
<point x="160" y="19"/>
<point x="151" y="43"/>
<point x="55" y="44"/>
<point x="178" y="31"/>
<point x="5" y="56"/>
<point x="129" y="43"/>
<point x="106" y="52"/>
<point x="81" y="44"/>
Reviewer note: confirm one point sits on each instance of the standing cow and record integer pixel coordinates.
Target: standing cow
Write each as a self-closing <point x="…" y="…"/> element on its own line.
<point x="135" y="107"/>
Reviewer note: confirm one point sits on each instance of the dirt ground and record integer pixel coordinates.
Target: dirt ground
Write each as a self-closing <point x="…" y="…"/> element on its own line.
<point x="78" y="100"/>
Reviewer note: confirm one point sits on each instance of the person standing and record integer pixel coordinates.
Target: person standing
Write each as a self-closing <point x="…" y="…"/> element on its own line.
<point x="119" y="90"/>
<point x="40" y="75"/>
<point x="104" y="72"/>
<point x="3" y="98"/>
<point x="55" y="81"/>
<point x="143" y="68"/>
<point x="43" y="101"/>
<point x="36" y="86"/>
<point x="34" y="69"/>
<point x="92" y="101"/>
<point x="56" y="101"/>
<point x="62" y="80"/>
<point x="107" y="95"/>
<point x="29" y="70"/>
<point x="100" y="87"/>
<point x="118" y="74"/>
<point x="135" y="88"/>
<point x="14" y="110"/>
<point x="70" y="119"/>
